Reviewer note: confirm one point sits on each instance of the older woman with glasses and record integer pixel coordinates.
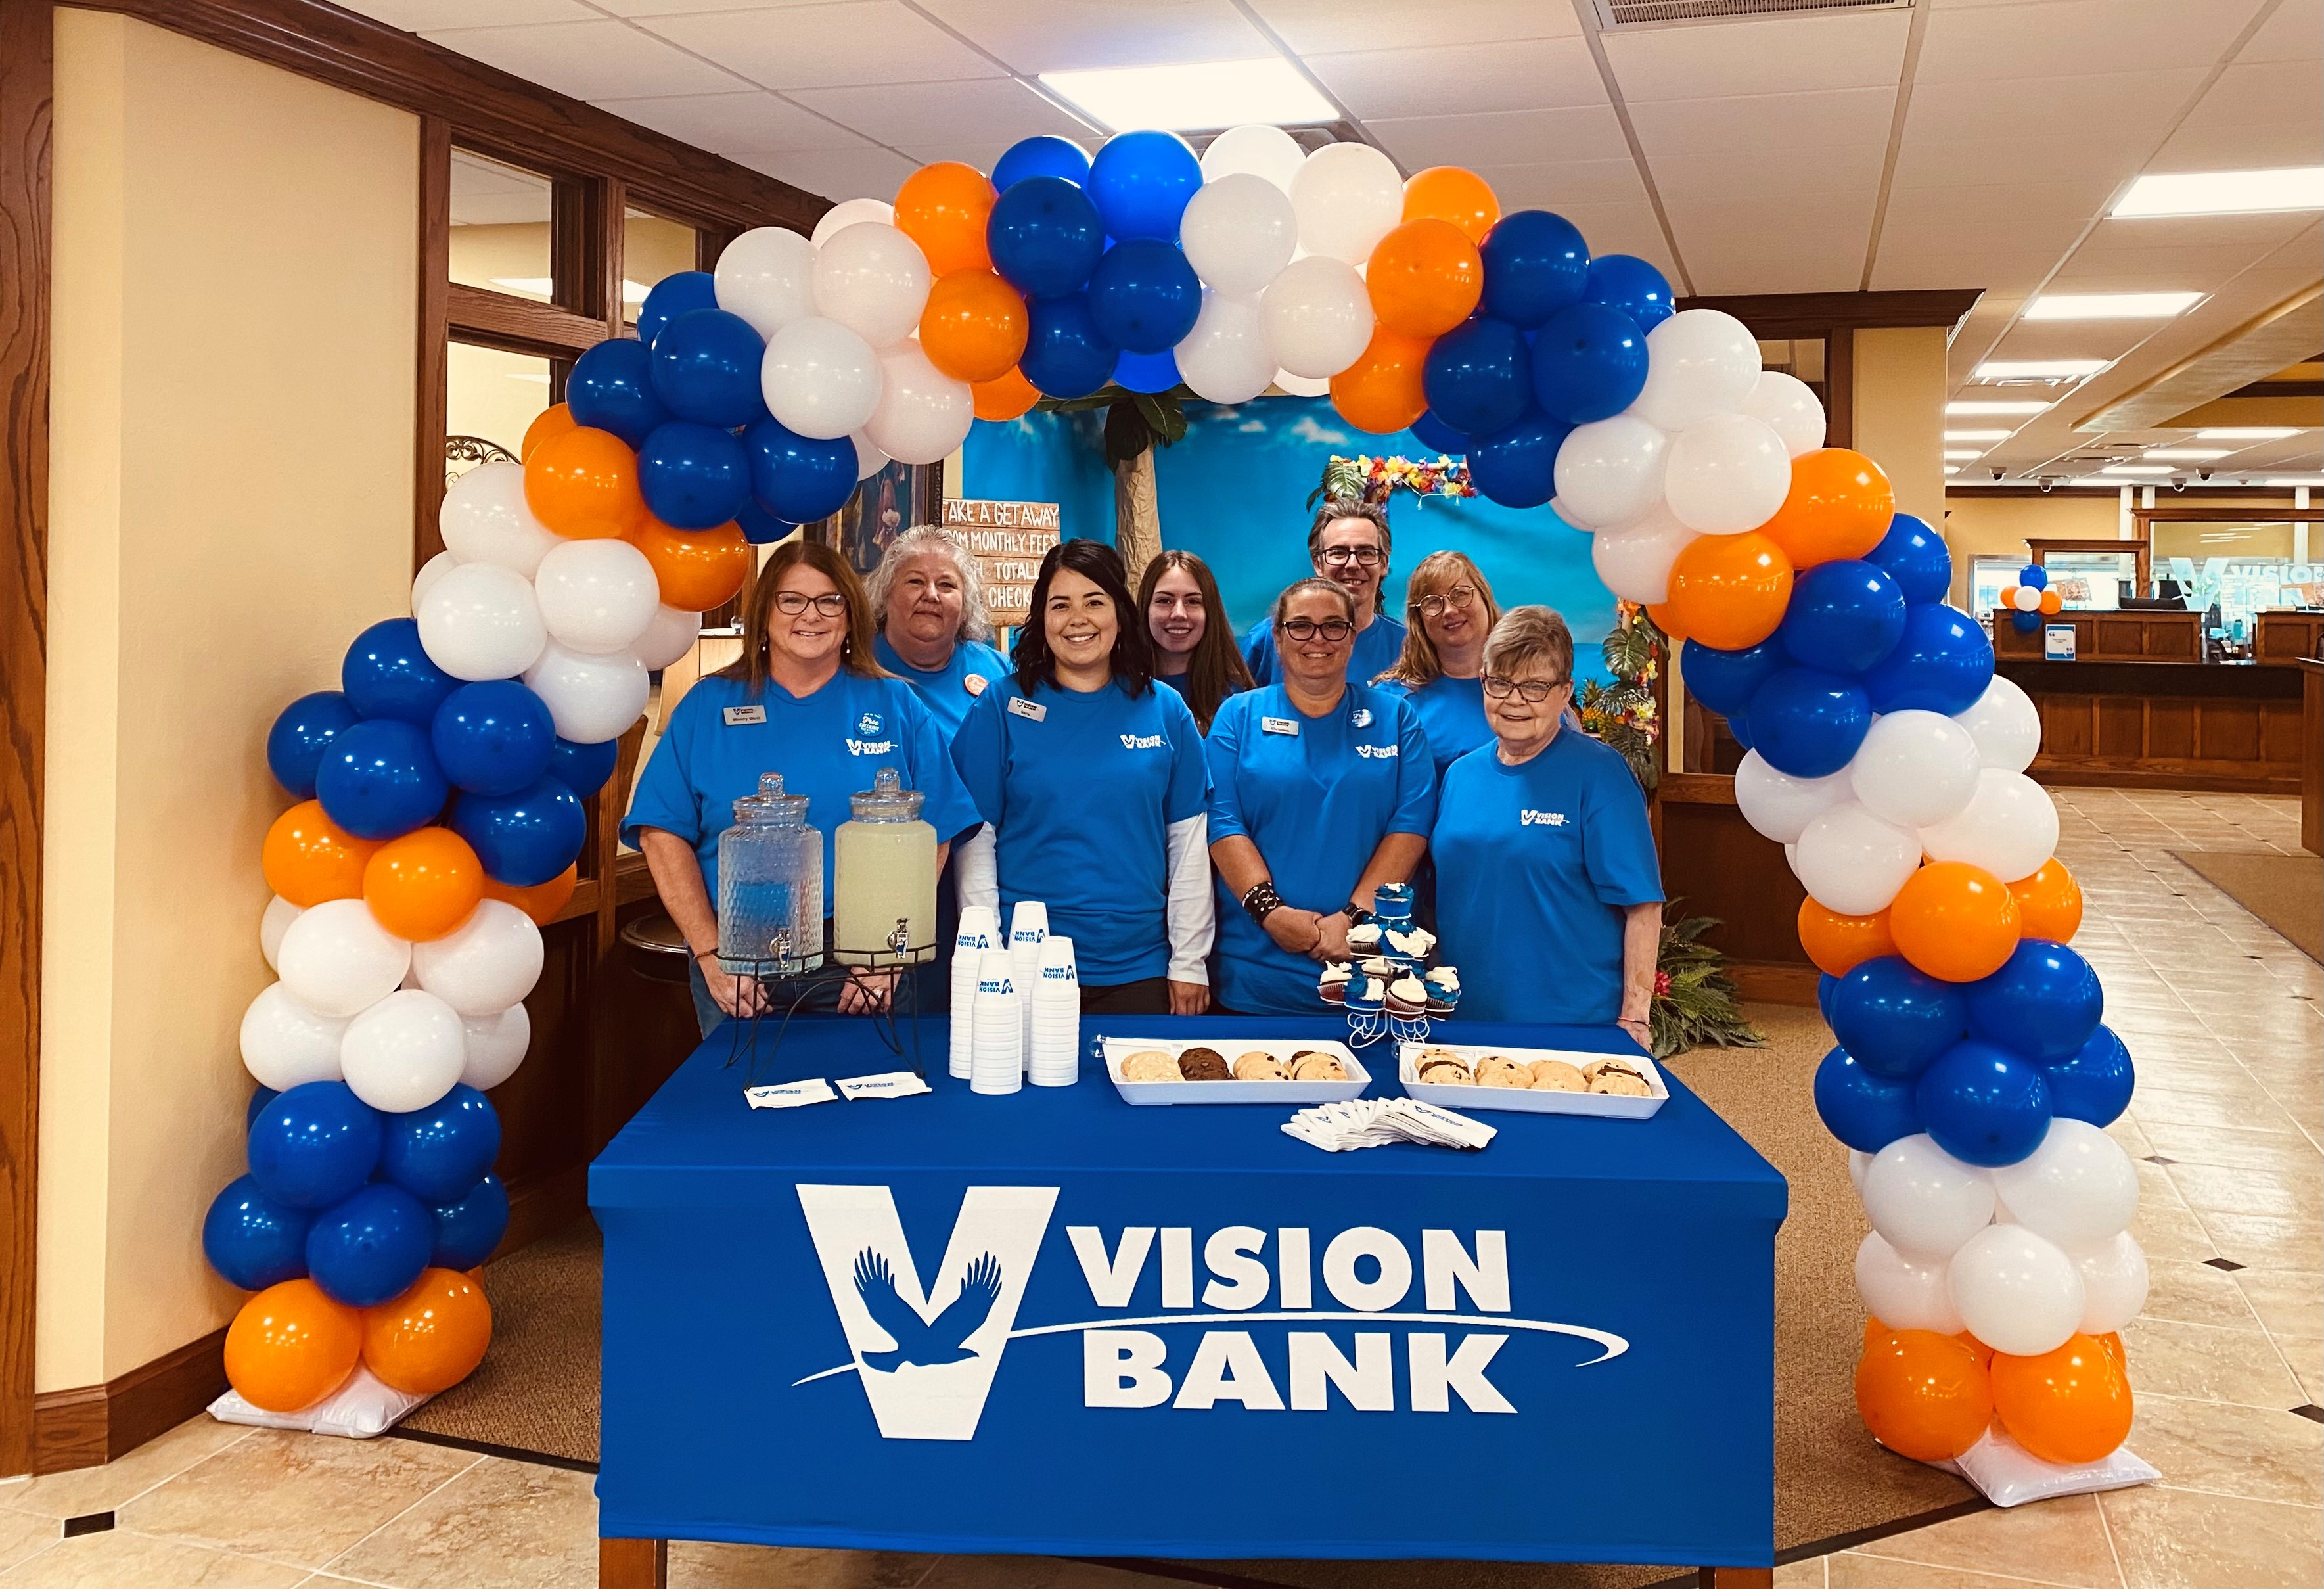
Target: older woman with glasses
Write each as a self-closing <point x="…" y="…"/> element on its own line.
<point x="927" y="601"/>
<point x="1451" y="610"/>
<point x="1549" y="895"/>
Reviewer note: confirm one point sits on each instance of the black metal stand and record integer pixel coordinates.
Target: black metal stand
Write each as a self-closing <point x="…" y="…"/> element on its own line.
<point x="896" y="1021"/>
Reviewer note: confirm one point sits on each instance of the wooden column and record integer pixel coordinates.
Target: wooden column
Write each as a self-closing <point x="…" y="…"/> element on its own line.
<point x="2312" y="755"/>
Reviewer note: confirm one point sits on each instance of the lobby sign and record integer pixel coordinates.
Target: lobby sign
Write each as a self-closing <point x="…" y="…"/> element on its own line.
<point x="1008" y="541"/>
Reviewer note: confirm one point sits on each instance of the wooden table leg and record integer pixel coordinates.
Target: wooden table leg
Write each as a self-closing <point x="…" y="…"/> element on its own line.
<point x="633" y="1563"/>
<point x="1735" y="1578"/>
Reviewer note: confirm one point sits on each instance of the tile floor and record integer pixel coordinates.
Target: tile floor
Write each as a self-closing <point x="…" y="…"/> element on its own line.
<point x="2221" y="1014"/>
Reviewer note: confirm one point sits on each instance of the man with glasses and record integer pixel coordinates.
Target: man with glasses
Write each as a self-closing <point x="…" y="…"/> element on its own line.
<point x="1349" y="545"/>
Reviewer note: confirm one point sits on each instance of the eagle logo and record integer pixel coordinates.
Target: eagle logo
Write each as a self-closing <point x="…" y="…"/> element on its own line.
<point x="925" y="1344"/>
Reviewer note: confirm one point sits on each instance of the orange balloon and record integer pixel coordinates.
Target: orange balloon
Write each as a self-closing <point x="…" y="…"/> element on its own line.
<point x="424" y="885"/>
<point x="1873" y="1330"/>
<point x="1839" y="506"/>
<point x="543" y="900"/>
<point x="1380" y="391"/>
<point x="974" y="326"/>
<point x="1983" y="1352"/>
<point x="309" y="858"/>
<point x="432" y="1336"/>
<point x="1005" y="396"/>
<point x="1451" y="193"/>
<point x="2049" y="902"/>
<point x="2053" y="604"/>
<point x="1840" y="944"/>
<point x="944" y="208"/>
<point x="290" y="1346"/>
<point x="1953" y="920"/>
<point x="584" y="484"/>
<point x="554" y="419"/>
<point x="1424" y="278"/>
<point x="1923" y="1395"/>
<point x="2067" y="1406"/>
<point x="1665" y="620"/>
<point x="1729" y="591"/>
<point x="697" y="569"/>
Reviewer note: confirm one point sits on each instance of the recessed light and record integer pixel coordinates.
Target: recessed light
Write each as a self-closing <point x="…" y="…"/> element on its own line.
<point x="543" y="286"/>
<point x="2110" y="306"/>
<point x="1963" y="453"/>
<point x="2137" y="469"/>
<point x="2248" y="433"/>
<point x="1953" y="468"/>
<point x="2192" y="454"/>
<point x="2295" y="480"/>
<point x="1976" y="436"/>
<point x="1996" y="408"/>
<point x="2224" y="193"/>
<point x="2039" y="369"/>
<point x="1195" y="94"/>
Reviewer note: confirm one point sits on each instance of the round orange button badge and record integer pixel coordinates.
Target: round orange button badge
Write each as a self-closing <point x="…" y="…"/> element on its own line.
<point x="972" y="682"/>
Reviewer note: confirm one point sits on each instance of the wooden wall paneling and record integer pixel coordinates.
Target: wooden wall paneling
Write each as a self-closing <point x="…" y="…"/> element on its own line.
<point x="518" y="324"/>
<point x="2121" y="728"/>
<point x="2228" y="731"/>
<point x="91" y="1425"/>
<point x="1718" y="866"/>
<point x="2168" y="730"/>
<point x="2279" y="732"/>
<point x="2068" y="724"/>
<point x="433" y="366"/>
<point x="613" y="231"/>
<point x="1840" y="386"/>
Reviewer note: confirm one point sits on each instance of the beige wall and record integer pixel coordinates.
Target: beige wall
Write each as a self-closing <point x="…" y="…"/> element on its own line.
<point x="233" y="413"/>
<point x="1900" y="413"/>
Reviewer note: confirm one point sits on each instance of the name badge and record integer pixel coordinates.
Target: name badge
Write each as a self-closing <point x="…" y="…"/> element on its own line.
<point x="1019" y="707"/>
<point x="1279" y="726"/>
<point x="737" y="717"/>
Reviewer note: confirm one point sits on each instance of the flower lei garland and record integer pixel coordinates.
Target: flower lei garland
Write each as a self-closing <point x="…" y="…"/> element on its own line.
<point x="1365" y="478"/>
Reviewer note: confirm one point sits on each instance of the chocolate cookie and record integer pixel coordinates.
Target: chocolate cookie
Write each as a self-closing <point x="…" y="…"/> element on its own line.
<point x="1310" y="1066"/>
<point x="1617" y="1076"/>
<point x="1257" y="1066"/>
<point x="1200" y="1064"/>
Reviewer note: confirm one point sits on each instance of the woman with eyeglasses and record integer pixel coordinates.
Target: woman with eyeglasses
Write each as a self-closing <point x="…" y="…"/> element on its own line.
<point x="807" y="700"/>
<point x="1347" y="544"/>
<point x="1094" y="784"/>
<point x="1448" y="610"/>
<point x="1549" y="896"/>
<point x="1321" y="791"/>
<point x="1193" y="644"/>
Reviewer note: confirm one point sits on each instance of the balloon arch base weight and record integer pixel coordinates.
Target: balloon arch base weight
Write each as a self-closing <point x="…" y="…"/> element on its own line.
<point x="1366" y="1027"/>
<point x="756" y="1041"/>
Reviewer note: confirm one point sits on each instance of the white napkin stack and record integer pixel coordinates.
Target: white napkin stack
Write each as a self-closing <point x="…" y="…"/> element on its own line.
<point x="1028" y="928"/>
<point x="1056" y="1008"/>
<point x="979" y="931"/>
<point x="1374" y="1122"/>
<point x="998" y="1025"/>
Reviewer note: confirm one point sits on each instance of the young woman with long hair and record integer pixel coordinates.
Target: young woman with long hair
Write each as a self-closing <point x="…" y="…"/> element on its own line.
<point x="1194" y="650"/>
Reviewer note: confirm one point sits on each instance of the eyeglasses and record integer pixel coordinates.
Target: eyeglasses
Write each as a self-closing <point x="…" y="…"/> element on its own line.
<point x="1532" y="691"/>
<point x="791" y="603"/>
<point x="1363" y="557"/>
<point x="1459" y="596"/>
<point x="1331" y="630"/>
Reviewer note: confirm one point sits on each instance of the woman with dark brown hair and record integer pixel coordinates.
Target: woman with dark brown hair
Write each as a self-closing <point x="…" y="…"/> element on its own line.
<point x="1194" y="650"/>
<point x="808" y="700"/>
<point x="1449" y="610"/>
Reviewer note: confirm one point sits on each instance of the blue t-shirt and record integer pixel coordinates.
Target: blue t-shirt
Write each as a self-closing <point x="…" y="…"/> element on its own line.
<point x="1177" y="682"/>
<point x="1080" y="789"/>
<point x="947" y="691"/>
<point x="1376" y="651"/>
<point x="1316" y="795"/>
<point x="1453" y="711"/>
<point x="827" y="746"/>
<point x="1535" y="864"/>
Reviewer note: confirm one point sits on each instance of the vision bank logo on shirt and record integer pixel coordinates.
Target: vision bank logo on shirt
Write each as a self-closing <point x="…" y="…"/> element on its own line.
<point x="1141" y="741"/>
<point x="927" y="1355"/>
<point x="1378" y="752"/>
<point x="1528" y="818"/>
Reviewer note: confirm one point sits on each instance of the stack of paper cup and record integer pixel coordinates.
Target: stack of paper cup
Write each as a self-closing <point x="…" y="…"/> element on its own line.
<point x="980" y="930"/>
<point x="997" y="1019"/>
<point x="1028" y="928"/>
<point x="1056" y="1004"/>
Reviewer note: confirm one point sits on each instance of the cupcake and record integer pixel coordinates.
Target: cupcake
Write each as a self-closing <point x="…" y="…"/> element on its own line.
<point x="1364" y="939"/>
<point x="1367" y="994"/>
<point x="1411" y="943"/>
<point x="1392" y="903"/>
<point x="1377" y="966"/>
<point x="1332" y="987"/>
<point x="1405" y="996"/>
<point x="1444" y="985"/>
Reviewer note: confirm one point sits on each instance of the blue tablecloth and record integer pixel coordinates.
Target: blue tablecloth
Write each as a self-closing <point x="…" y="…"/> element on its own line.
<point x="1051" y="1322"/>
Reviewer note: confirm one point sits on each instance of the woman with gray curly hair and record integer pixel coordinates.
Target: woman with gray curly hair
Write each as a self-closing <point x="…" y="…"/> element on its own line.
<point x="927" y="601"/>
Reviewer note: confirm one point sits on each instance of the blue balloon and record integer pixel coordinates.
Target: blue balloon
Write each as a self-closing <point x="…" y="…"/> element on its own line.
<point x="693" y="477"/>
<point x="612" y="388"/>
<point x="1437" y="435"/>
<point x="2025" y="623"/>
<point x="380" y="780"/>
<point x="260" y="1098"/>
<point x="798" y="477"/>
<point x="1631" y="284"/>
<point x="2045" y="1002"/>
<point x="1045" y="236"/>
<point x="1141" y="182"/>
<point x="1725" y="681"/>
<point x="1589" y="363"/>
<point x="1516" y="466"/>
<point x="759" y="527"/>
<point x="705" y="368"/>
<point x="1535" y="263"/>
<point x="1145" y="372"/>
<point x="681" y="292"/>
<point x="369" y="1248"/>
<point x="1042" y="156"/>
<point x="1943" y="664"/>
<point x="1844" y="616"/>
<point x="1476" y="380"/>
<point x="1984" y="1105"/>
<point x="1065" y="354"/>
<point x="1826" y="985"/>
<point x="584" y="768"/>
<point x="1144" y="296"/>
<point x="2096" y="1084"/>
<point x="387" y="674"/>
<point x="314" y="1144"/>
<point x="1865" y="1111"/>
<point x="1808" y="723"/>
<point x="303" y="733"/>
<point x="1896" y="1020"/>
<point x="467" y="1231"/>
<point x="252" y="1241"/>
<point x="492" y="738"/>
<point x="2036" y="576"/>
<point x="439" y="1153"/>
<point x="523" y="838"/>
<point x="1917" y="559"/>
<point x="1738" y="723"/>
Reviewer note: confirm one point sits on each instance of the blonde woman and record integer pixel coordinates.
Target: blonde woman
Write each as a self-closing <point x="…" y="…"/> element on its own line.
<point x="1449" y="610"/>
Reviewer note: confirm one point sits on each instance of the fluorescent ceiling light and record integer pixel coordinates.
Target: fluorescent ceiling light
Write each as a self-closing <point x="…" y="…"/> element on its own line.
<point x="1995" y="408"/>
<point x="2295" y="480"/>
<point x="1976" y="436"/>
<point x="2224" y="193"/>
<point x="2110" y="306"/>
<point x="2248" y="433"/>
<point x="1953" y="468"/>
<point x="1197" y="94"/>
<point x="542" y="287"/>
<point x="2193" y="455"/>
<point x="2137" y="469"/>
<point x="1963" y="454"/>
<point x="2094" y="480"/>
<point x="2039" y="369"/>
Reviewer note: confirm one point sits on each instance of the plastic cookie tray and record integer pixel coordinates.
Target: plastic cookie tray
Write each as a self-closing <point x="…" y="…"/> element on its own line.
<point x="1115" y="1051"/>
<point x="1526" y="1101"/>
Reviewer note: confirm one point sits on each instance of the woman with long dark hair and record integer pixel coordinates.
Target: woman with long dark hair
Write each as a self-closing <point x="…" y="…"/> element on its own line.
<point x="1194" y="650"/>
<point x="1093" y="785"/>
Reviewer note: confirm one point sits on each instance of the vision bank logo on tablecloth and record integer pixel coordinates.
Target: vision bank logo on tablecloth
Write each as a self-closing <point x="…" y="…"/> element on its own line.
<point x="926" y="1354"/>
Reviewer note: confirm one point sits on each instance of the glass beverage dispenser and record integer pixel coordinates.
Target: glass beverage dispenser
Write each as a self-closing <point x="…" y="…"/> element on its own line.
<point x="770" y="886"/>
<point x="885" y="890"/>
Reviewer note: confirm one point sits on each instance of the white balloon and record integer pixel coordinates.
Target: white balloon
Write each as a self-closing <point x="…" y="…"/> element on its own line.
<point x="850" y="212"/>
<point x="2078" y="1188"/>
<point x="337" y="960"/>
<point x="868" y="459"/>
<point x="485" y="520"/>
<point x="670" y="634"/>
<point x="1226" y="358"/>
<point x="592" y="696"/>
<point x="1788" y="406"/>
<point x="819" y="378"/>
<point x="486" y="963"/>
<point x="767" y="275"/>
<point x="872" y="280"/>
<point x="1924" y="1201"/>
<point x="1915" y="767"/>
<point x="482" y="621"/>
<point x="1348" y="196"/>
<point x="2114" y="1285"/>
<point x="430" y="571"/>
<point x="1700" y="361"/>
<point x="1779" y="806"/>
<point x="405" y="1052"/>
<point x="496" y="1045"/>
<point x="1302" y="385"/>
<point x="285" y="1045"/>
<point x="1610" y="471"/>
<point x="1854" y="863"/>
<point x="2026" y="599"/>
<point x="1634" y="560"/>
<point x="1726" y="474"/>
<point x="1259" y="149"/>
<point x="2005" y="725"/>
<point x="2016" y="1292"/>
<point x="1902" y="1292"/>
<point x="2009" y="826"/>
<point x="1317" y="314"/>
<point x="923" y="413"/>
<point x="1238" y="231"/>
<point x="597" y="596"/>
<point x="280" y="914"/>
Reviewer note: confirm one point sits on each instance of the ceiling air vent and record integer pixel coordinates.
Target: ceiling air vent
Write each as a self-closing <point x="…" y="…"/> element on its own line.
<point x="1615" y="15"/>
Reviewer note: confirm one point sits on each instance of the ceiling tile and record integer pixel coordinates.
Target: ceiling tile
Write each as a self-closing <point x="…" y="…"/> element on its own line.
<point x="997" y="110"/>
<point x="669" y="7"/>
<point x="2074" y="37"/>
<point x="1834" y="269"/>
<point x="1317" y="26"/>
<point x="2226" y="148"/>
<point x="1066" y="35"/>
<point x="1852" y="168"/>
<point x="2003" y="206"/>
<point x="841" y="46"/>
<point x="1586" y="132"/>
<point x="603" y="60"/>
<point x="1622" y="228"/>
<point x="1562" y="185"/>
<point x="1906" y="270"/>
<point x="1795" y="55"/>
<point x="1439" y="79"/>
<point x="2107" y="107"/>
<point x="1929" y="163"/>
<point x="419" y="16"/>
<point x="2282" y="93"/>
<point x="838" y="174"/>
<point x="1832" y="119"/>
<point x="2296" y="33"/>
<point x="1698" y="216"/>
<point x="752" y="119"/>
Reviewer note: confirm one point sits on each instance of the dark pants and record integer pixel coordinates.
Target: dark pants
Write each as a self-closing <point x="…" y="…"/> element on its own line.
<point x="1151" y="996"/>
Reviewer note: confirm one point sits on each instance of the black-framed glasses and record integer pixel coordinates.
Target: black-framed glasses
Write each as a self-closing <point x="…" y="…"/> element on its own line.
<point x="1456" y="599"/>
<point x="791" y="603"/>
<point x="1532" y="691"/>
<point x="1363" y="557"/>
<point x="1332" y="631"/>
